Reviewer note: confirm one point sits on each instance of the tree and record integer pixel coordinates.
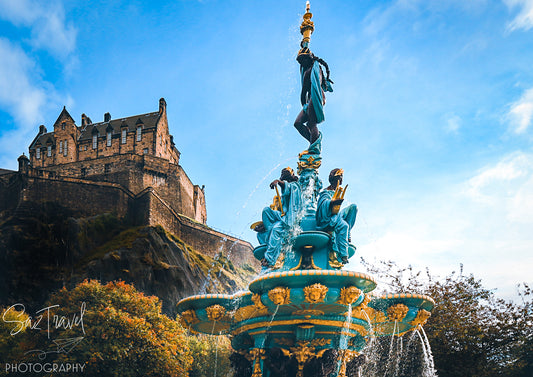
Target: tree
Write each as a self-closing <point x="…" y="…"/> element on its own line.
<point x="124" y="333"/>
<point x="472" y="332"/>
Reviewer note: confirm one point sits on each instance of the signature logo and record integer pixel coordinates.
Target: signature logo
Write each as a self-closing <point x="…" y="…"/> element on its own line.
<point x="45" y="320"/>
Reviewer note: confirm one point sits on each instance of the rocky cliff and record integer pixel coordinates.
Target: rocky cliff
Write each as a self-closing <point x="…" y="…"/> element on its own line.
<point x="44" y="247"/>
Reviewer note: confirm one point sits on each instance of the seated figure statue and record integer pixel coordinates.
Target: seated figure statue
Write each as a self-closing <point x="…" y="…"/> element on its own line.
<point x="276" y="222"/>
<point x="329" y="218"/>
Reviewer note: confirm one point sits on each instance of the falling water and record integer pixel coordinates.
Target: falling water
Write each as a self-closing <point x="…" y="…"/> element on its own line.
<point x="345" y="334"/>
<point x="429" y="366"/>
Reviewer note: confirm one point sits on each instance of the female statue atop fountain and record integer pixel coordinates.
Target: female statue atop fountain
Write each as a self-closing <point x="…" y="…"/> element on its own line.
<point x="340" y="222"/>
<point x="312" y="96"/>
<point x="276" y="223"/>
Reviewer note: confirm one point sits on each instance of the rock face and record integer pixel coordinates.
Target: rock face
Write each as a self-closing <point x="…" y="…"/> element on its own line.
<point x="51" y="248"/>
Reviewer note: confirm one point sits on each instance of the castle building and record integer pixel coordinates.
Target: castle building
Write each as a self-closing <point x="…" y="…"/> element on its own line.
<point x="127" y="166"/>
<point x="135" y="152"/>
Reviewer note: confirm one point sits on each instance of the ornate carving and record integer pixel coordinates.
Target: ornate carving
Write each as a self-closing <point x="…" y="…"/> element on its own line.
<point x="315" y="293"/>
<point x="189" y="318"/>
<point x="308" y="312"/>
<point x="304" y="352"/>
<point x="215" y="312"/>
<point x="310" y="163"/>
<point x="280" y="295"/>
<point x="397" y="312"/>
<point x="349" y="295"/>
<point x="279" y="262"/>
<point x="346" y="356"/>
<point x="319" y="342"/>
<point x="256" y="299"/>
<point x="244" y="313"/>
<point x="421" y="317"/>
<point x="285" y="341"/>
<point x="333" y="261"/>
<point x="257" y="354"/>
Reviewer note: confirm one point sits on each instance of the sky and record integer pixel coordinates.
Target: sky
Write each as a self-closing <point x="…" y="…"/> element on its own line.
<point x="430" y="118"/>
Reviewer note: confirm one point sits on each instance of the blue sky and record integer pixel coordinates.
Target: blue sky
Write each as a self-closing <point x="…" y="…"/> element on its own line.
<point x="431" y="114"/>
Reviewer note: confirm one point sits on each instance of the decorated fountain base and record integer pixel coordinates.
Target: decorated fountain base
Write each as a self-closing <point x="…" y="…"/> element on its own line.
<point x="303" y="313"/>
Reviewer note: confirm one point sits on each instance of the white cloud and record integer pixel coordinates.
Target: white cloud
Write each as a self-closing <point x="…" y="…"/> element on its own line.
<point x="49" y="29"/>
<point x="18" y="92"/>
<point x="521" y="112"/>
<point x="524" y="18"/>
<point x="484" y="222"/>
<point x="453" y="123"/>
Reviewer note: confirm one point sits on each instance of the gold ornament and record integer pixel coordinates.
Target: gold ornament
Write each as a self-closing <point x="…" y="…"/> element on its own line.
<point x="256" y="299"/>
<point x="304" y="352"/>
<point x="308" y="312"/>
<point x="333" y="261"/>
<point x="189" y="318"/>
<point x="257" y="354"/>
<point x="315" y="293"/>
<point x="279" y="262"/>
<point x="280" y="295"/>
<point x="349" y="295"/>
<point x="397" y="312"/>
<point x="421" y="317"/>
<point x="346" y="357"/>
<point x="215" y="312"/>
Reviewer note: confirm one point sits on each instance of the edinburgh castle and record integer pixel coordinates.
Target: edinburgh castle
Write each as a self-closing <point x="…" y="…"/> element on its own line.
<point x="127" y="168"/>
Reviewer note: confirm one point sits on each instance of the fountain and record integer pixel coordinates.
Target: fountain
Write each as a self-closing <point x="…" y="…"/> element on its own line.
<point x="304" y="314"/>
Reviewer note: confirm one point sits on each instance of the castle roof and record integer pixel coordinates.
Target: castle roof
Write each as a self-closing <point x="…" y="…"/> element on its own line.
<point x="43" y="140"/>
<point x="148" y="120"/>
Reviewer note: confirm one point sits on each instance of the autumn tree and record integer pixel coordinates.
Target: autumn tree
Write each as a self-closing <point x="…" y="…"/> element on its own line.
<point x="122" y="333"/>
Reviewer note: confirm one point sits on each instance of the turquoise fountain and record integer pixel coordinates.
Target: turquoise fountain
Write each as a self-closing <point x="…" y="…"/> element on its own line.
<point x="304" y="315"/>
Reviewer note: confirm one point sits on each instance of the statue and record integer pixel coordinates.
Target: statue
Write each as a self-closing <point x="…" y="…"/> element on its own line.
<point x="312" y="95"/>
<point x="313" y="84"/>
<point x="276" y="221"/>
<point x="329" y="217"/>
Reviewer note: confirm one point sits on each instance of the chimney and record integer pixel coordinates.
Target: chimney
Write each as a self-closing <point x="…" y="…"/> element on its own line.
<point x="162" y="106"/>
<point x="42" y="129"/>
<point x="83" y="120"/>
<point x="107" y="117"/>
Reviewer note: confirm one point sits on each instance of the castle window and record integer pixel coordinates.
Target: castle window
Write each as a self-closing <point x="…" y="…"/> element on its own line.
<point x="61" y="147"/>
<point x="109" y="138"/>
<point x="107" y="168"/>
<point x="95" y="141"/>
<point x="145" y="151"/>
<point x="38" y="153"/>
<point x="49" y="151"/>
<point x="63" y="125"/>
<point x="83" y="172"/>
<point x="65" y="149"/>
<point x="81" y="148"/>
<point x="139" y="133"/>
<point x="124" y="131"/>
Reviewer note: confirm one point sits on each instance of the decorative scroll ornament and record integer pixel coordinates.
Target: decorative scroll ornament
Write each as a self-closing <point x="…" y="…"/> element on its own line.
<point x="280" y="295"/>
<point x="257" y="354"/>
<point x="333" y="261"/>
<point x="256" y="299"/>
<point x="304" y="352"/>
<point x="421" y="318"/>
<point x="349" y="295"/>
<point x="215" y="312"/>
<point x="189" y="318"/>
<point x="308" y="312"/>
<point x="397" y="312"/>
<point x="309" y="163"/>
<point x="346" y="357"/>
<point x="315" y="293"/>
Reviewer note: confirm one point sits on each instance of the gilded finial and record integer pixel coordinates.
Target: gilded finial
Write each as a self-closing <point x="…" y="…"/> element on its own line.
<point x="306" y="28"/>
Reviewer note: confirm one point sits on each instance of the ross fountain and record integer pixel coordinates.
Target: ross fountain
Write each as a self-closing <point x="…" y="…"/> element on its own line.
<point x="305" y="315"/>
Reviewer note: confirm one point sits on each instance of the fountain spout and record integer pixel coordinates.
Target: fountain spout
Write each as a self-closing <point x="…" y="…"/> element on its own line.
<point x="307" y="27"/>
